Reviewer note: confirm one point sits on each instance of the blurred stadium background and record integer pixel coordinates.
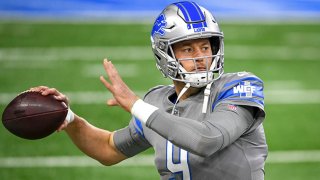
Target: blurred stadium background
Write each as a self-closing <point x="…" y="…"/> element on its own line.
<point x="62" y="43"/>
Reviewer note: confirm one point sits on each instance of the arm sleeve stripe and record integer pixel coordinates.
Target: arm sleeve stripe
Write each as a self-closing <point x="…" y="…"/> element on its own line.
<point x="138" y="127"/>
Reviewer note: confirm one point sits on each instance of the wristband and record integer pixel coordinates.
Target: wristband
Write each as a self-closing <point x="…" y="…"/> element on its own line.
<point x="142" y="110"/>
<point x="70" y="116"/>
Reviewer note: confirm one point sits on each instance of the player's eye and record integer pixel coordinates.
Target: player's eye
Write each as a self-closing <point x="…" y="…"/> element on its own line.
<point x="187" y="50"/>
<point x="205" y="48"/>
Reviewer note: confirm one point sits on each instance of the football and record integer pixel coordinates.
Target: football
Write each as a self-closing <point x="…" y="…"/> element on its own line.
<point x="31" y="115"/>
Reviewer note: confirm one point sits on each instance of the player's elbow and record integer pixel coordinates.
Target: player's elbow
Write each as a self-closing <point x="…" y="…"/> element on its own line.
<point x="108" y="162"/>
<point x="208" y="145"/>
<point x="111" y="158"/>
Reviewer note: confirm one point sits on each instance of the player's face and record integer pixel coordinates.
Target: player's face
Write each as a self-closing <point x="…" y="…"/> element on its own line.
<point x="199" y="49"/>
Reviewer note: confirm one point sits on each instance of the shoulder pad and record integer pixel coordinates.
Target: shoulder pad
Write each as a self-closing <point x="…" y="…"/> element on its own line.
<point x="153" y="89"/>
<point x="241" y="88"/>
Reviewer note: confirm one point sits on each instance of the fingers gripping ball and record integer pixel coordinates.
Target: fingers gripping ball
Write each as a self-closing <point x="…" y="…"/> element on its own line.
<point x="31" y="115"/>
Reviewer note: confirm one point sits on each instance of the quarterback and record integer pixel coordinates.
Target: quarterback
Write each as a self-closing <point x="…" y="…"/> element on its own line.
<point x="206" y="125"/>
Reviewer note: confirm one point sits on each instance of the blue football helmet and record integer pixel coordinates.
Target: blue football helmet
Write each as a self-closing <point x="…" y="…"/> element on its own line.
<point x="186" y="21"/>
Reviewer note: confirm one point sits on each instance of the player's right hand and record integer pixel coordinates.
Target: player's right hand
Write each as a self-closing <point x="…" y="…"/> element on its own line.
<point x="44" y="90"/>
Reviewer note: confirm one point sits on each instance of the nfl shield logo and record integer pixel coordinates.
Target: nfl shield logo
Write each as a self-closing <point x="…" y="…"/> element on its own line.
<point x="232" y="107"/>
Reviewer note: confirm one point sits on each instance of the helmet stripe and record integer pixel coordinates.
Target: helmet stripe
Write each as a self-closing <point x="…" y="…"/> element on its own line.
<point x="192" y="14"/>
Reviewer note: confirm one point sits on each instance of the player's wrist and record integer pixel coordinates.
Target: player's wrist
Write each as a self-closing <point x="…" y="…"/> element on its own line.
<point x="142" y="110"/>
<point x="70" y="116"/>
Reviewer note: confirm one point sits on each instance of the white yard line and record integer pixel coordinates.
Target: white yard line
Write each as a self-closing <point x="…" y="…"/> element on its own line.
<point x="282" y="96"/>
<point x="76" y="53"/>
<point x="239" y="52"/>
<point x="286" y="84"/>
<point x="292" y="96"/>
<point x="294" y="156"/>
<point x="140" y="160"/>
<point x="125" y="70"/>
<point x="87" y="97"/>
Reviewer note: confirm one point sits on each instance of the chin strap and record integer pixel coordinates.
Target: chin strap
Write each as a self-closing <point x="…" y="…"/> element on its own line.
<point x="186" y="87"/>
<point x="206" y="98"/>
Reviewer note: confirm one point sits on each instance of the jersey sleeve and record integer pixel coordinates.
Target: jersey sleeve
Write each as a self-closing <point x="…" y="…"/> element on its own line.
<point x="244" y="89"/>
<point x="131" y="140"/>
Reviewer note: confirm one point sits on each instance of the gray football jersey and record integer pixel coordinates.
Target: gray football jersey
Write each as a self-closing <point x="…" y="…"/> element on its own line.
<point x="226" y="143"/>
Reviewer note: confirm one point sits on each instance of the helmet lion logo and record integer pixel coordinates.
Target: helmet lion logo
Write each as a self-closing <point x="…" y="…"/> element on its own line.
<point x="158" y="27"/>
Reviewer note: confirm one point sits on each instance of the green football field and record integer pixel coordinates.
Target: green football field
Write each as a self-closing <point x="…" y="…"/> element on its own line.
<point x="68" y="56"/>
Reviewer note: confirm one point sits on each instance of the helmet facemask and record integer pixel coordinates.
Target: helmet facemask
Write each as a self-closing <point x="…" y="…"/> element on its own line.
<point x="206" y="68"/>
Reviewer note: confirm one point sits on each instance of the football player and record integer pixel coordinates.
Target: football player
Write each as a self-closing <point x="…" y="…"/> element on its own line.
<point x="206" y="125"/>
